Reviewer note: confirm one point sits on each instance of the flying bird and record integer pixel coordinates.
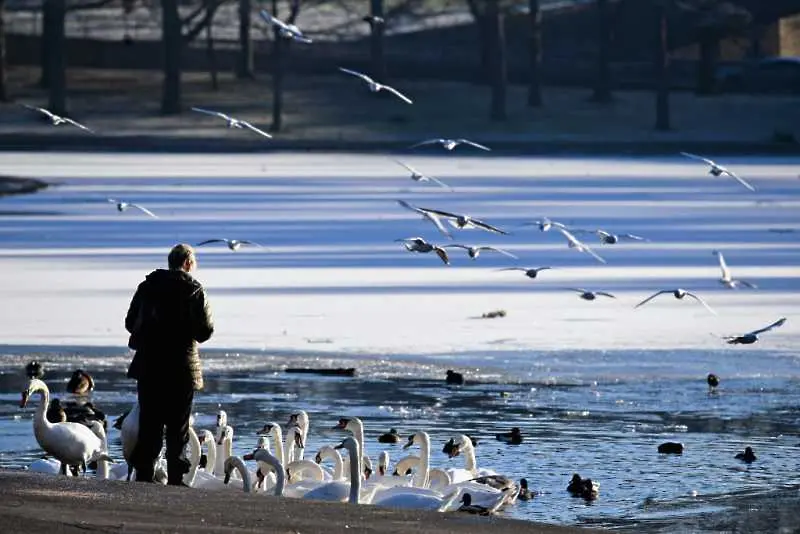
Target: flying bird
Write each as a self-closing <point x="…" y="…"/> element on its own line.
<point x="427" y="216"/>
<point x="122" y="206"/>
<point x="419" y="177"/>
<point x="607" y="238"/>
<point x="462" y="221"/>
<point x="233" y="122"/>
<point x="417" y="244"/>
<point x="372" y="20"/>
<point x="57" y="120"/>
<point x="450" y="144"/>
<point x="751" y="337"/>
<point x="574" y="243"/>
<point x="287" y="31"/>
<point x="544" y="224"/>
<point x="590" y="295"/>
<point x="529" y="271"/>
<point x="375" y="86"/>
<point x="726" y="279"/>
<point x="678" y="294"/>
<point x="474" y="252"/>
<point x="233" y="244"/>
<point x="718" y="170"/>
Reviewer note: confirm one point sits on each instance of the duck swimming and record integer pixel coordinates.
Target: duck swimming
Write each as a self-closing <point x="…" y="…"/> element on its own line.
<point x="514" y="437"/>
<point x="671" y="447"/>
<point x="80" y="383"/>
<point x="525" y="494"/>
<point x="583" y="487"/>
<point x="454" y="378"/>
<point x="713" y="382"/>
<point x="748" y="456"/>
<point x="390" y="437"/>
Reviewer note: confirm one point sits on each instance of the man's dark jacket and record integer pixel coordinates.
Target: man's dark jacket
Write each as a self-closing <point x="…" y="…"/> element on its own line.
<point x="168" y="316"/>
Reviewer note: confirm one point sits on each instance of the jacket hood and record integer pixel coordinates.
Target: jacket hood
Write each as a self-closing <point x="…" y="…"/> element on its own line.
<point x="172" y="279"/>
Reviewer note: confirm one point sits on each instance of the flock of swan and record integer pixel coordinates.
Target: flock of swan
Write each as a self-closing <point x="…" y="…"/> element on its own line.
<point x="278" y="466"/>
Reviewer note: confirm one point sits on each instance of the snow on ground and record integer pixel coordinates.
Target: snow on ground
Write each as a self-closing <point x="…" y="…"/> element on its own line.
<point x="331" y="279"/>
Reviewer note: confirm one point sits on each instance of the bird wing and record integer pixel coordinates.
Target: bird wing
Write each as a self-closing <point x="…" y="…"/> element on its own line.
<point x="360" y="75"/>
<point x="427" y="142"/>
<point x="578" y="289"/>
<point x="113" y="200"/>
<point x="454" y="245"/>
<point x="604" y="294"/>
<point x="40" y="110"/>
<point x="500" y="250"/>
<point x="591" y="252"/>
<point x="441" y="213"/>
<point x="776" y="324"/>
<point x="408" y="167"/>
<point x="651" y="297"/>
<point x="410" y="207"/>
<point x="726" y="273"/>
<point x="513" y="269"/>
<point x="748" y="284"/>
<point x="476" y="145"/>
<point x="258" y="131"/>
<point x="701" y="301"/>
<point x="144" y="210"/>
<point x="247" y="242"/>
<point x="442" y="253"/>
<point x="487" y="226"/>
<point x="214" y="113"/>
<point x="633" y="237"/>
<point x="79" y="125"/>
<point x="438" y="181"/>
<point x="298" y="36"/>
<point x="701" y="158"/>
<point x="207" y="241"/>
<point x="739" y="179"/>
<point x="272" y="20"/>
<point x="397" y="93"/>
<point x="438" y="223"/>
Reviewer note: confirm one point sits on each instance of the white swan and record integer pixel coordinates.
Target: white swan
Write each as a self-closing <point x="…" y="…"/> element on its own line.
<point x="355" y="426"/>
<point x="235" y="463"/>
<point x="48" y="466"/>
<point x="484" y="485"/>
<point x="338" y="490"/>
<point x="327" y="452"/>
<point x="224" y="446"/>
<point x="274" y="430"/>
<point x="300" y="419"/>
<point x="128" y="426"/>
<point x="265" y="457"/>
<point x="73" y="444"/>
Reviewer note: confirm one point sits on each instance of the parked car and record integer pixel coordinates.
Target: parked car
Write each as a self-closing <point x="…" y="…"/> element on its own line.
<point x="768" y="75"/>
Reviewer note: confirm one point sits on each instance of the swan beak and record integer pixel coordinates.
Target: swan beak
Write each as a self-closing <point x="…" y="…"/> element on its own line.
<point x="318" y="458"/>
<point x="298" y="440"/>
<point x="341" y="425"/>
<point x="24" y="400"/>
<point x="227" y="477"/>
<point x="367" y="473"/>
<point x="201" y="438"/>
<point x="382" y="471"/>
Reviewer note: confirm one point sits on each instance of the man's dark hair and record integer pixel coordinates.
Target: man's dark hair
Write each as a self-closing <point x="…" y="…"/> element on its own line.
<point x="178" y="255"/>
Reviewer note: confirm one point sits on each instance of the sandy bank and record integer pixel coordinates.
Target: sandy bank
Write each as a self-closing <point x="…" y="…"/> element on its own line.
<point x="34" y="503"/>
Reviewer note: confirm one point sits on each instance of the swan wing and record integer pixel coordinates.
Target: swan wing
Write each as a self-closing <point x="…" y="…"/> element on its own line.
<point x="409" y="498"/>
<point x="442" y="253"/>
<point x="776" y="324"/>
<point x="651" y="297"/>
<point x="40" y="110"/>
<point x="207" y="241"/>
<point x="604" y="294"/>
<point x="336" y="491"/>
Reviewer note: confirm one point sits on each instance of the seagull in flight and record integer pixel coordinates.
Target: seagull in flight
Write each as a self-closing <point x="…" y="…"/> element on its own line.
<point x="727" y="280"/>
<point x="417" y="244"/>
<point x="428" y="216"/>
<point x="530" y="272"/>
<point x="751" y="337"/>
<point x="450" y="144"/>
<point x="419" y="177"/>
<point x="233" y="244"/>
<point x="573" y="242"/>
<point x="57" y="119"/>
<point x="717" y="170"/>
<point x="233" y="122"/>
<point x="287" y="31"/>
<point x="375" y="86"/>
<point x="546" y="224"/>
<point x="122" y="206"/>
<point x="474" y="252"/>
<point x="678" y="294"/>
<point x="462" y="221"/>
<point x="607" y="238"/>
<point x="590" y="295"/>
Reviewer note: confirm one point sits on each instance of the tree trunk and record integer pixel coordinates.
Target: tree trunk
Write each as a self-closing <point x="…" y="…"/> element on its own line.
<point x="244" y="66"/>
<point x="277" y="74"/>
<point x="497" y="59"/>
<point x="4" y="96"/>
<point x="602" y="88"/>
<point x="57" y="97"/>
<point x="706" y="67"/>
<point x="535" y="50"/>
<point x="211" y="55"/>
<point x="47" y="29"/>
<point x="376" y="42"/>
<point x="172" y="43"/>
<point x="662" y="69"/>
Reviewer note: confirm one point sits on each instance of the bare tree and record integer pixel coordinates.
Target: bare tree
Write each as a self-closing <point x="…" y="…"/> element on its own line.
<point x="173" y="40"/>
<point x="4" y="96"/>
<point x="662" y="66"/>
<point x="211" y="55"/>
<point x="280" y="47"/>
<point x="497" y="59"/>
<point x="377" y="57"/>
<point x="602" y="86"/>
<point x="244" y="65"/>
<point x="56" y="58"/>
<point x="535" y="52"/>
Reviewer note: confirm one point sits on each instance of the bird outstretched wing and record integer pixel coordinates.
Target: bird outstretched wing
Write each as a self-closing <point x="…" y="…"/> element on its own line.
<point x="253" y="128"/>
<point x="144" y="210"/>
<point x="79" y="125"/>
<point x="739" y="179"/>
<point x="487" y="226"/>
<point x="633" y="237"/>
<point x="214" y="113"/>
<point x="577" y="289"/>
<point x="579" y="245"/>
<point x="40" y="110"/>
<point x="651" y="297"/>
<point x="604" y="294"/>
<point x="207" y="241"/>
<point x="723" y="266"/>
<point x="427" y="142"/>
<point x="500" y="250"/>
<point x="397" y="93"/>
<point x="701" y="301"/>
<point x="700" y="158"/>
<point x="442" y="253"/>
<point x="472" y="143"/>
<point x="523" y="269"/>
<point x="776" y="324"/>
<point x="358" y="74"/>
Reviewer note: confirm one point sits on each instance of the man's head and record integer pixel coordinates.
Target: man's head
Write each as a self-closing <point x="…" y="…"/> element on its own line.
<point x="182" y="257"/>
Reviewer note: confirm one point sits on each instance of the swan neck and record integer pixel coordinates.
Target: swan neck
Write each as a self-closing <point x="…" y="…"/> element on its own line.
<point x="41" y="410"/>
<point x="355" y="472"/>
<point x="469" y="459"/>
<point x="211" y="455"/>
<point x="338" y="466"/>
<point x="195" y="450"/>
<point x="277" y="441"/>
<point x="422" y="476"/>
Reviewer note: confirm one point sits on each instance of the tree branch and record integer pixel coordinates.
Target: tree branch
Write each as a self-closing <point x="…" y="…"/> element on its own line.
<point x="294" y="11"/>
<point x="90" y="5"/>
<point x="194" y="14"/>
<point x="211" y="10"/>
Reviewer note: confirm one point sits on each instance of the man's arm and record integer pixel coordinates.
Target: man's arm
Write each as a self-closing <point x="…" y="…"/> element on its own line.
<point x="133" y="311"/>
<point x="203" y="321"/>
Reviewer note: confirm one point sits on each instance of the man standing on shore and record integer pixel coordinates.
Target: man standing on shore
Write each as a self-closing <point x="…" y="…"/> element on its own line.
<point x="168" y="316"/>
